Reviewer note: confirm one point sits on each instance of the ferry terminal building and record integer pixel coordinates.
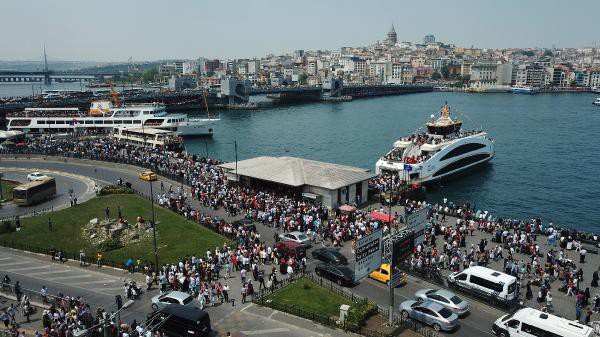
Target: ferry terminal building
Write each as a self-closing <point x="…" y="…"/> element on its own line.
<point x="332" y="184"/>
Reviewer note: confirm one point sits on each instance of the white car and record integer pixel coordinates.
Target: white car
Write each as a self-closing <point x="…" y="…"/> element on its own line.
<point x="173" y="297"/>
<point x="36" y="176"/>
<point x="299" y="237"/>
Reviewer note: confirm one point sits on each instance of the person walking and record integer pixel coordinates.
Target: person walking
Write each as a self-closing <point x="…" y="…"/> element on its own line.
<point x="44" y="293"/>
<point x="98" y="259"/>
<point x="18" y="291"/>
<point x="588" y="316"/>
<point x="578" y="313"/>
<point x="81" y="258"/>
<point x="50" y="224"/>
<point x="107" y="212"/>
<point x="549" y="306"/>
<point x="243" y="275"/>
<point x="226" y="293"/>
<point x="528" y="293"/>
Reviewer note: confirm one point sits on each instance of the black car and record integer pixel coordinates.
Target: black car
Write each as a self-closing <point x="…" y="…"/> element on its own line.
<point x="247" y="224"/>
<point x="180" y="320"/>
<point x="341" y="275"/>
<point x="329" y="255"/>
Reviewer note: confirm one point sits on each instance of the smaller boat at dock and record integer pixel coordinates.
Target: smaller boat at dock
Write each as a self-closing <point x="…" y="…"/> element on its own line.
<point x="523" y="89"/>
<point x="597" y="101"/>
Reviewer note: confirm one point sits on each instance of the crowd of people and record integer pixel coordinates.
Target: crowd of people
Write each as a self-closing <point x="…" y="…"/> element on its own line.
<point x="512" y="242"/>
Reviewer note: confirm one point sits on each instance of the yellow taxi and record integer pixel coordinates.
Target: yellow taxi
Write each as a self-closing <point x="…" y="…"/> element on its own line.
<point x="382" y="274"/>
<point x="148" y="176"/>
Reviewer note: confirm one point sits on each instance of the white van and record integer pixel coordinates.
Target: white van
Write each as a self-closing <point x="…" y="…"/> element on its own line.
<point x="485" y="280"/>
<point x="528" y="322"/>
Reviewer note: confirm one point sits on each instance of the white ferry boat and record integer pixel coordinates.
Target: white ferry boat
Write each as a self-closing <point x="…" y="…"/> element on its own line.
<point x="596" y="89"/>
<point x="521" y="89"/>
<point x="442" y="151"/>
<point x="105" y="115"/>
<point x="597" y="101"/>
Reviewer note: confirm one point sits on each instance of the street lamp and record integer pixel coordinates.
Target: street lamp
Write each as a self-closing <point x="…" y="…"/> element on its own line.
<point x="154" y="228"/>
<point x="1" y="196"/>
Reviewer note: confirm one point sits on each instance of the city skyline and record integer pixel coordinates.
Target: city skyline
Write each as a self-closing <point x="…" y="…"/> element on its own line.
<point x="116" y="31"/>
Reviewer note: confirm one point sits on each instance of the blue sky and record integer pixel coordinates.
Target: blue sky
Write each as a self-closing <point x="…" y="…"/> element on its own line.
<point x="114" y="30"/>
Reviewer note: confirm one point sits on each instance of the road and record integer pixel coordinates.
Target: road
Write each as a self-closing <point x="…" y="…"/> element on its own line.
<point x="81" y="186"/>
<point x="477" y="323"/>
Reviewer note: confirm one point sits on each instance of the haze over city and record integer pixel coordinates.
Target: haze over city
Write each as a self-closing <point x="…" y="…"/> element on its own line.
<point x="116" y="30"/>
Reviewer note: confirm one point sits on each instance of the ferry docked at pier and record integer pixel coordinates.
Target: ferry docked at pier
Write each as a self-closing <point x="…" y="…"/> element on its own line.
<point x="106" y="115"/>
<point x="444" y="150"/>
<point x="522" y="89"/>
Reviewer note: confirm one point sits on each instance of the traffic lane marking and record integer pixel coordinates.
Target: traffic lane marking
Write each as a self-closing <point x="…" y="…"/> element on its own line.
<point x="62" y="284"/>
<point x="264" y="331"/>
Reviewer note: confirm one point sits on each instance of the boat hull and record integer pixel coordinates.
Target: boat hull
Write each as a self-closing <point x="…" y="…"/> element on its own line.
<point x="458" y="157"/>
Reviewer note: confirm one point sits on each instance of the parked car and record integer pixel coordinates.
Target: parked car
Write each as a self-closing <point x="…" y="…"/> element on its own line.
<point x="329" y="255"/>
<point x="172" y="297"/>
<point x="291" y="248"/>
<point x="445" y="298"/>
<point x="430" y="313"/>
<point x="341" y="275"/>
<point x="247" y="224"/>
<point x="176" y="320"/>
<point x="382" y="274"/>
<point x="36" y="176"/>
<point x="148" y="176"/>
<point x="296" y="237"/>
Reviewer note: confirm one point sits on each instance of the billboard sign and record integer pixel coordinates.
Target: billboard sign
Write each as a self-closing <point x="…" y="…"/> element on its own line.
<point x="367" y="255"/>
<point x="416" y="222"/>
<point x="403" y="248"/>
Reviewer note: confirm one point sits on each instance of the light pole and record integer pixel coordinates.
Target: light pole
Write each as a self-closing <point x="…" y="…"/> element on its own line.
<point x="154" y="228"/>
<point x="1" y="196"/>
<point x="237" y="177"/>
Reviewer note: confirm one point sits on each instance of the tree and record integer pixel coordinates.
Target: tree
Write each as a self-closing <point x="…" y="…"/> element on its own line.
<point x="302" y="79"/>
<point x="445" y="71"/>
<point x="548" y="52"/>
<point x="436" y="75"/>
<point x="149" y="75"/>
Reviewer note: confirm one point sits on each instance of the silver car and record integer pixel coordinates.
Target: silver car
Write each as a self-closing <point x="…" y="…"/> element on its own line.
<point x="445" y="298"/>
<point x="430" y="313"/>
<point x="296" y="237"/>
<point x="172" y="297"/>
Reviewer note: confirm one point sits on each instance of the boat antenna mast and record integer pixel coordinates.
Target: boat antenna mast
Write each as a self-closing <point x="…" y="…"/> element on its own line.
<point x="206" y="104"/>
<point x="114" y="94"/>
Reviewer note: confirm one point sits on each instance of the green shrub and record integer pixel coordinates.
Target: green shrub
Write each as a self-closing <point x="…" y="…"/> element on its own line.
<point x="7" y="227"/>
<point x="114" y="189"/>
<point x="109" y="245"/>
<point x="306" y="286"/>
<point x="359" y="313"/>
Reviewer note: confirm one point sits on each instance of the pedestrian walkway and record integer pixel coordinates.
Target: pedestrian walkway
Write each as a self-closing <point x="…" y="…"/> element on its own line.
<point x="15" y="265"/>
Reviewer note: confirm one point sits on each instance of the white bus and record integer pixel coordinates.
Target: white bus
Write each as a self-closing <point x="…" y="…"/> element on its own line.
<point x="528" y="322"/>
<point x="485" y="280"/>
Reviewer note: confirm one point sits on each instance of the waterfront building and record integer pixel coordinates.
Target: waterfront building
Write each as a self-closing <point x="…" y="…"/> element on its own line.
<point x="595" y="78"/>
<point x="483" y="75"/>
<point x="504" y="74"/>
<point x="582" y="78"/>
<point x="429" y="39"/>
<point x="391" y="38"/>
<point x="332" y="184"/>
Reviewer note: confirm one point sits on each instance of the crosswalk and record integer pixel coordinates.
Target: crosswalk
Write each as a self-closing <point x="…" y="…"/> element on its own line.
<point x="54" y="272"/>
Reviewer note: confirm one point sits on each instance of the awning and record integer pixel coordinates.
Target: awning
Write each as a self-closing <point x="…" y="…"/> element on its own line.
<point x="310" y="195"/>
<point x="381" y="216"/>
<point x="347" y="208"/>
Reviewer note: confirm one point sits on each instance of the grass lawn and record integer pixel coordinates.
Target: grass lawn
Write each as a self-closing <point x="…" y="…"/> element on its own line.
<point x="313" y="297"/>
<point x="176" y="236"/>
<point x="7" y="189"/>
